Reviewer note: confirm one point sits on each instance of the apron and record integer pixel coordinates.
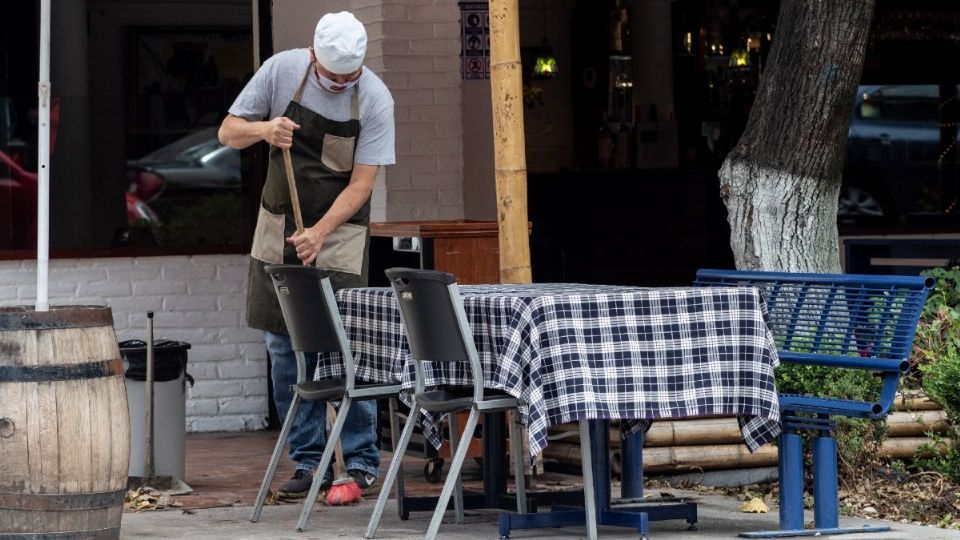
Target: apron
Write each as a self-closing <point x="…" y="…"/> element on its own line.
<point x="322" y="156"/>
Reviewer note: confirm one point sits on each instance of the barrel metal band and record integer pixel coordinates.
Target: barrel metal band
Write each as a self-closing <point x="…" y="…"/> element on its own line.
<point x="62" y="372"/>
<point x="61" y="501"/>
<point x="111" y="533"/>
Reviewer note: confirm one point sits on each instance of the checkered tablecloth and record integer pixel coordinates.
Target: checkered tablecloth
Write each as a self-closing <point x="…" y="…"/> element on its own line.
<point x="570" y="352"/>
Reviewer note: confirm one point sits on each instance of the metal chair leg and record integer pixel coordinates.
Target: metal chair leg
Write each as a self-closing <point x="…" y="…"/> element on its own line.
<point x="458" y="491"/>
<point x="393" y="472"/>
<point x="394" y="434"/>
<point x="275" y="458"/>
<point x="589" y="498"/>
<point x="325" y="458"/>
<point x="452" y="475"/>
<point x="519" y="458"/>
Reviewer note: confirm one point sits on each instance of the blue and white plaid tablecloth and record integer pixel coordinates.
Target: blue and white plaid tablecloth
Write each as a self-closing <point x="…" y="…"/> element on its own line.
<point x="570" y="352"/>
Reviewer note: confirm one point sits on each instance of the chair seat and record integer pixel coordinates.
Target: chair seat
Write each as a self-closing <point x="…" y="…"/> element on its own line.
<point x="322" y="390"/>
<point x="454" y="398"/>
<point x="831" y="406"/>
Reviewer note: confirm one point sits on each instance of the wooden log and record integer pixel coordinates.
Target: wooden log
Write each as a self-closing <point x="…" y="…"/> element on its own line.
<point x="570" y="454"/>
<point x="915" y="403"/>
<point x="64" y="424"/>
<point x="668" y="432"/>
<point x="906" y="447"/>
<point x="713" y="457"/>
<point x="915" y="424"/>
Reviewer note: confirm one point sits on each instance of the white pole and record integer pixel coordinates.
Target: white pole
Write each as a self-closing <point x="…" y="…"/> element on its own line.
<point x="43" y="158"/>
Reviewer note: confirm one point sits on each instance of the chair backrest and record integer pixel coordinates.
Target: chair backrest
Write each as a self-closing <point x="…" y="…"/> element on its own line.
<point x="309" y="307"/>
<point x="430" y="314"/>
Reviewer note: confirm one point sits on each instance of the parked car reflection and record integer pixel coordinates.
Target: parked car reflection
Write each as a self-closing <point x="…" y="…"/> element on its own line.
<point x="191" y="166"/>
<point x="893" y="148"/>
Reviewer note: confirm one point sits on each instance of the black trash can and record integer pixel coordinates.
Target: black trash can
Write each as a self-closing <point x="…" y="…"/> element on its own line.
<point x="169" y="404"/>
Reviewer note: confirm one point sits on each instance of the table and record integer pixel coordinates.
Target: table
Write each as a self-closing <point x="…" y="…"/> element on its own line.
<point x="570" y="351"/>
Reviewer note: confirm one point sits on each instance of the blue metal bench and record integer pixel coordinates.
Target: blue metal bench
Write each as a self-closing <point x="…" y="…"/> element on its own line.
<point x="834" y="320"/>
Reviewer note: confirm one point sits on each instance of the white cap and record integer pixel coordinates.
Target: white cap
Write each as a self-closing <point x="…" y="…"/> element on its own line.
<point x="340" y="42"/>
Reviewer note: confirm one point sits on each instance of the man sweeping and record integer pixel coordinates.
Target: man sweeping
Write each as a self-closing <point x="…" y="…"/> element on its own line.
<point x="336" y="119"/>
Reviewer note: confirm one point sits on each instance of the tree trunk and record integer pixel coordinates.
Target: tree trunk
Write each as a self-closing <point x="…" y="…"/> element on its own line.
<point x="781" y="181"/>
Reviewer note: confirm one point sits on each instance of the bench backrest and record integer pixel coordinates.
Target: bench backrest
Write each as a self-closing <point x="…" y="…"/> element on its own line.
<point x="838" y="320"/>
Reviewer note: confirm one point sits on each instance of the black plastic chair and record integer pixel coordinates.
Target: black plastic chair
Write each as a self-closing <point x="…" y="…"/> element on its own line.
<point x="310" y="310"/>
<point x="438" y="331"/>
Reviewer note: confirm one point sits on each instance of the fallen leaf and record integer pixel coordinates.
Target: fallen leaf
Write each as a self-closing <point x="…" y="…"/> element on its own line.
<point x="754" y="505"/>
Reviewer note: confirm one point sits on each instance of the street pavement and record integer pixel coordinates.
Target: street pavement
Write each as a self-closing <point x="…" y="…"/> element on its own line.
<point x="719" y="518"/>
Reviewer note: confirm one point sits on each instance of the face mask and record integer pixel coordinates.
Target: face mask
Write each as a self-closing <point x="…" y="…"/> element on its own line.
<point x="334" y="86"/>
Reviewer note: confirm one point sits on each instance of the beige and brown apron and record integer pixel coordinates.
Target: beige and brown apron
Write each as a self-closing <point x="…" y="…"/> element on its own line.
<point x="322" y="155"/>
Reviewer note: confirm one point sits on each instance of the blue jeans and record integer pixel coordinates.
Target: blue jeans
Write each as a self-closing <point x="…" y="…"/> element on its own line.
<point x="308" y="434"/>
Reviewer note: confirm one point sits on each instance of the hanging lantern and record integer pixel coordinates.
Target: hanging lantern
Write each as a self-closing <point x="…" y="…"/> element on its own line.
<point x="545" y="66"/>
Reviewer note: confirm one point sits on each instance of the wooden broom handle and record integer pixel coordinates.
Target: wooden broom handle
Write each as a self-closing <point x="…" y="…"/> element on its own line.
<point x="292" y="184"/>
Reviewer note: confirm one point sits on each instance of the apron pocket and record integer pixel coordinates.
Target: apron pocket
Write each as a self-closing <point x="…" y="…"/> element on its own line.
<point x="337" y="152"/>
<point x="268" y="238"/>
<point x="343" y="249"/>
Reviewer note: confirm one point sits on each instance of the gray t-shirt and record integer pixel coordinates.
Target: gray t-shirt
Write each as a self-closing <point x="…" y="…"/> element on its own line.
<point x="274" y="84"/>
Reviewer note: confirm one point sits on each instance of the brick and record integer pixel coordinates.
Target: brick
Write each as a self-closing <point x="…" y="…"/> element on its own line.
<point x="395" y="46"/>
<point x="190" y="302"/>
<point x="437" y="146"/>
<point x="133" y="274"/>
<point x="246" y="405"/>
<point x="402" y="146"/>
<point x="394" y="12"/>
<point x="368" y="15"/>
<point x="446" y="30"/>
<point x="436" y="80"/>
<point x="409" y="29"/>
<point x="447" y="96"/>
<point x="401" y="113"/>
<point x="214" y="388"/>
<point x="212" y="352"/>
<point x="399" y="180"/>
<point x="450" y="212"/>
<point x="201" y="407"/>
<point x="198" y="320"/>
<point x="450" y="162"/>
<point x="104" y="288"/>
<point x="77" y="275"/>
<point x="416" y="164"/>
<point x="417" y="129"/>
<point x="446" y="63"/>
<point x="395" y="80"/>
<point x="231" y="302"/>
<point x="213" y="286"/>
<point x="435" y="112"/>
<point x="136" y="305"/>
<point x="235" y="272"/>
<point x="428" y="212"/>
<point x="449" y="129"/>
<point x="434" y="14"/>
<point x="256" y="351"/>
<point x="255" y="387"/>
<point x="451" y="197"/>
<point x="187" y="272"/>
<point x="410" y="64"/>
<point x="216" y="423"/>
<point x="241" y="369"/>
<point x="164" y="286"/>
<point x="413" y="197"/>
<point x="256" y="422"/>
<point x="201" y="370"/>
<point x="411" y="97"/>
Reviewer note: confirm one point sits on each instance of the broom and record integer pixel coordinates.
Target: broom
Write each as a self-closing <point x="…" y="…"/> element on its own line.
<point x="344" y="490"/>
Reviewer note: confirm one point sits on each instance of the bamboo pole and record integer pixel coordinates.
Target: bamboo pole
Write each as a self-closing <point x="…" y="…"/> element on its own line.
<point x="510" y="162"/>
<point x="920" y="403"/>
<point x="906" y="447"/>
<point x="915" y="424"/>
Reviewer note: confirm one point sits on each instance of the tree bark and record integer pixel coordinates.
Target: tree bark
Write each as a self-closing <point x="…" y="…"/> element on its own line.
<point x="781" y="181"/>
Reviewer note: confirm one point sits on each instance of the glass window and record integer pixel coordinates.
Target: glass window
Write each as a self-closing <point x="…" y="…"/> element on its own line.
<point x="139" y="92"/>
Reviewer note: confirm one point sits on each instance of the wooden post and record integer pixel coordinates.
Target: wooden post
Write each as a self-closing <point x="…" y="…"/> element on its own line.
<point x="510" y="161"/>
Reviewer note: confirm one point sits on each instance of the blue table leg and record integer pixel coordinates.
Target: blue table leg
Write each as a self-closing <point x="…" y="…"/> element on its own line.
<point x="631" y="454"/>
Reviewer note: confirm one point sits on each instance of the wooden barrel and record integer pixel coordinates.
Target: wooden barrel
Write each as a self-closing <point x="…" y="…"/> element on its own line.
<point x="64" y="424"/>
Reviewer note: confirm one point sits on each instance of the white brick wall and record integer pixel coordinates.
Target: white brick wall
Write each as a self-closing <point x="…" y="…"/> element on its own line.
<point x="197" y="299"/>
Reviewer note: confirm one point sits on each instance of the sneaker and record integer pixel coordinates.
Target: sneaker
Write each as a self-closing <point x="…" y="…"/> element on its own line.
<point x="298" y="485"/>
<point x="367" y="482"/>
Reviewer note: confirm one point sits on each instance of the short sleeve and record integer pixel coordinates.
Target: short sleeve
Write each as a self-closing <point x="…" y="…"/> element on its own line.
<point x="254" y="101"/>
<point x="375" y="146"/>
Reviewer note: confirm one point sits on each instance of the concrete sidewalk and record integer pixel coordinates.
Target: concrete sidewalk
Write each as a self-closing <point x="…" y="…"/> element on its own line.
<point x="718" y="519"/>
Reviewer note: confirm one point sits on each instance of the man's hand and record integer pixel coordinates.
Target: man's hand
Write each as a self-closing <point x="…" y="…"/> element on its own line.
<point x="308" y="243"/>
<point x="279" y="131"/>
